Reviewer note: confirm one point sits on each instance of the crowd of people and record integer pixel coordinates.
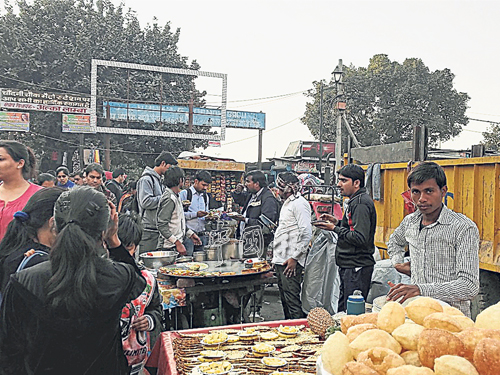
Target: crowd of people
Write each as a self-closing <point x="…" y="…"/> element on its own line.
<point x="74" y="299"/>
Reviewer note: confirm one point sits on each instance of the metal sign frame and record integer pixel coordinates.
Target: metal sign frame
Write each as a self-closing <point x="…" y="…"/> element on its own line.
<point x="159" y="69"/>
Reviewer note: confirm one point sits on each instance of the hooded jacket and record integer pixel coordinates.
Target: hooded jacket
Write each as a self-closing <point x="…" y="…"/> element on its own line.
<point x="356" y="232"/>
<point x="149" y="192"/>
<point x="36" y="340"/>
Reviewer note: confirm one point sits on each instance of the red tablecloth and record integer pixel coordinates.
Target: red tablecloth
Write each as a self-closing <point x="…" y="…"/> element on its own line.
<point x="162" y="356"/>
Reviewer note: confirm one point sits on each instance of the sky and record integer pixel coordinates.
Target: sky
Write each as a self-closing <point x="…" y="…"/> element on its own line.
<point x="272" y="50"/>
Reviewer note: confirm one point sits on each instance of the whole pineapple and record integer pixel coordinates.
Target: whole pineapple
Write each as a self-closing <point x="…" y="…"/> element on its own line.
<point x="319" y="321"/>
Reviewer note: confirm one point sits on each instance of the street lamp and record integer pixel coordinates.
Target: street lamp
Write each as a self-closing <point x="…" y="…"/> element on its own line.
<point x="337" y="77"/>
<point x="338" y="72"/>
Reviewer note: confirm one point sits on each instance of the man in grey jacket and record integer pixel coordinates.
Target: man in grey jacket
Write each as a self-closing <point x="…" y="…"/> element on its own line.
<point x="149" y="192"/>
<point x="171" y="220"/>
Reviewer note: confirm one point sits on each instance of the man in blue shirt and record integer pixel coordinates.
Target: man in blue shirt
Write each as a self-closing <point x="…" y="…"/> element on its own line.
<point x="197" y="210"/>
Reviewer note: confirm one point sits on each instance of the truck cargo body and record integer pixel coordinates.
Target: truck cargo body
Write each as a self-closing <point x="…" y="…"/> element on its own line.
<point x="473" y="189"/>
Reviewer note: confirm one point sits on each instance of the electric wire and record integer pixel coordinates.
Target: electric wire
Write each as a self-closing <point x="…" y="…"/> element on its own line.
<point x="265" y="131"/>
<point x="274" y="98"/>
<point x="142" y="101"/>
<point x="100" y="148"/>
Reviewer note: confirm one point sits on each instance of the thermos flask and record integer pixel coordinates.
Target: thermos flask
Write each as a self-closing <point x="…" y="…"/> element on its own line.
<point x="356" y="304"/>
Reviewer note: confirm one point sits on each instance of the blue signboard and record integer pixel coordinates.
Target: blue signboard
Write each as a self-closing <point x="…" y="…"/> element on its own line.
<point x="172" y="114"/>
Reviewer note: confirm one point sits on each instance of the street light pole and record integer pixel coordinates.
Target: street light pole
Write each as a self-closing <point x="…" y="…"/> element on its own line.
<point x="321" y="129"/>
<point x="338" y="73"/>
<point x="339" y="86"/>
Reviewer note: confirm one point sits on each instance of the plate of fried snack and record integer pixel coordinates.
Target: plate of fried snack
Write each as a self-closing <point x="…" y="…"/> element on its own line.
<point x="423" y="338"/>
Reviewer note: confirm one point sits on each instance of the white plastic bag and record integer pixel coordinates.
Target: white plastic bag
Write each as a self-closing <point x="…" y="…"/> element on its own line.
<point x="321" y="286"/>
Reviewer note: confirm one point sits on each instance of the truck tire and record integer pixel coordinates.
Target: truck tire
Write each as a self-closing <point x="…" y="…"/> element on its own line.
<point x="489" y="292"/>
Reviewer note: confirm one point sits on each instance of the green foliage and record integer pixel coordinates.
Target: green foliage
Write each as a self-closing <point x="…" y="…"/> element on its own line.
<point x="492" y="138"/>
<point x="386" y="99"/>
<point x="50" y="43"/>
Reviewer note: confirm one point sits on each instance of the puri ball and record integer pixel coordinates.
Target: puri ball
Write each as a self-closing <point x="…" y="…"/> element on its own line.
<point x="442" y="321"/>
<point x="391" y="316"/>
<point x="407" y="335"/>
<point x="453" y="365"/>
<point x="358" y="329"/>
<point x="410" y="370"/>
<point x="354" y="368"/>
<point x="411" y="358"/>
<point x="380" y="359"/>
<point x="487" y="357"/>
<point x="489" y="318"/>
<point x="434" y="343"/>
<point x="374" y="338"/>
<point x="472" y="336"/>
<point x="336" y="353"/>
<point x="450" y="310"/>
<point x="418" y="309"/>
<point x="349" y="321"/>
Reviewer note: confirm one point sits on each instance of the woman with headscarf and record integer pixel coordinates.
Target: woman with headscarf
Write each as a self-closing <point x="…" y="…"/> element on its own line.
<point x="31" y="229"/>
<point x="17" y="166"/>
<point x="63" y="316"/>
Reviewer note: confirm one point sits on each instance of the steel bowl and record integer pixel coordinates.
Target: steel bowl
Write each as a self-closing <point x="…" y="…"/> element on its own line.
<point x="233" y="249"/>
<point x="157" y="259"/>
<point x="213" y="252"/>
<point x="184" y="259"/>
<point x="199" y="256"/>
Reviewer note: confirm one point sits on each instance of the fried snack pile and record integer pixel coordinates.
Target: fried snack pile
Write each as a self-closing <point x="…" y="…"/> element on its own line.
<point x="248" y="351"/>
<point x="424" y="338"/>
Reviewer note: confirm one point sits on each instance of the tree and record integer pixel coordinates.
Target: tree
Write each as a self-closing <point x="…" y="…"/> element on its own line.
<point x="47" y="45"/>
<point x="386" y="99"/>
<point x="492" y="137"/>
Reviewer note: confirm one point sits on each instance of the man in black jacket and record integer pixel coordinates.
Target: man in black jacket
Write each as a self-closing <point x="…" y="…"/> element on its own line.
<point x="356" y="232"/>
<point x="116" y="184"/>
<point x="256" y="200"/>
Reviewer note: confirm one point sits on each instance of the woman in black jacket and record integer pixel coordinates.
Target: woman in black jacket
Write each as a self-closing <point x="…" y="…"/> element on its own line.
<point x="62" y="316"/>
<point x="32" y="228"/>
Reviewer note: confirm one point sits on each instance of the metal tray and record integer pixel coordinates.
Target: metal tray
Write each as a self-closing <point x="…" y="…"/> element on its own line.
<point x="228" y="266"/>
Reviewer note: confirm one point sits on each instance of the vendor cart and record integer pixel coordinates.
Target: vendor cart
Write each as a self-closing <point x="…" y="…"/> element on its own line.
<point x="216" y="299"/>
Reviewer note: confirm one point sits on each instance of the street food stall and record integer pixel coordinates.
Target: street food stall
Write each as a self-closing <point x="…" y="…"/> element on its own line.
<point x="263" y="348"/>
<point x="225" y="176"/>
<point x="212" y="293"/>
<point x="421" y="336"/>
<point x="213" y="286"/>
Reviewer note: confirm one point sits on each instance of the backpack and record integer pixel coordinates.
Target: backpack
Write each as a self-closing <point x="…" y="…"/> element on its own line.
<point x="190" y="197"/>
<point x="129" y="203"/>
<point x="24" y="262"/>
<point x="27" y="259"/>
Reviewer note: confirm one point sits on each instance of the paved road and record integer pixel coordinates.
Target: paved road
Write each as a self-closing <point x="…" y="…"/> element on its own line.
<point x="271" y="308"/>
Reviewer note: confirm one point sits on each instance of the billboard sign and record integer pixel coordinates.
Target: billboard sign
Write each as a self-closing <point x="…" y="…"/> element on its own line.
<point x="43" y="101"/>
<point x="311" y="149"/>
<point x="76" y="123"/>
<point x="214" y="144"/>
<point x="159" y="69"/>
<point x="15" y="121"/>
<point x="172" y="114"/>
